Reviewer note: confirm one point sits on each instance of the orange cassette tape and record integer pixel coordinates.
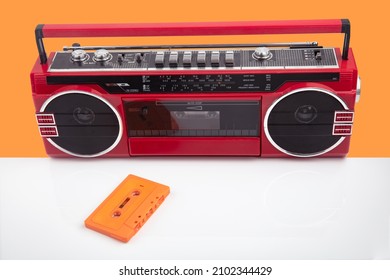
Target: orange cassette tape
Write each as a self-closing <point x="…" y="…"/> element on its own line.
<point x="127" y="208"/>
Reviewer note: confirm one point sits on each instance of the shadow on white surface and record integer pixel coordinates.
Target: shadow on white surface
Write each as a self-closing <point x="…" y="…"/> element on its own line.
<point x="219" y="208"/>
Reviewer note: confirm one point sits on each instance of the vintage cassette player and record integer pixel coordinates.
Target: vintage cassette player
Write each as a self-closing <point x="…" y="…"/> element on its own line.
<point x="270" y="100"/>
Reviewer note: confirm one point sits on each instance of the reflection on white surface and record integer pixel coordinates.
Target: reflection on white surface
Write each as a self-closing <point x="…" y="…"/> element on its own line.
<point x="312" y="201"/>
<point x="219" y="208"/>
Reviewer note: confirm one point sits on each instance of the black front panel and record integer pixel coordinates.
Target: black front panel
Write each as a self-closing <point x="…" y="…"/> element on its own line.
<point x="86" y="125"/>
<point x="193" y="118"/>
<point x="224" y="83"/>
<point x="302" y="123"/>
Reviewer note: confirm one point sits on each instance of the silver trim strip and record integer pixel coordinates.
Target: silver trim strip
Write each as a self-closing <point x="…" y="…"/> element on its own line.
<point x="227" y="103"/>
<point x="312" y="67"/>
<point x="149" y="69"/>
<point x="51" y="64"/>
<point x="192" y="46"/>
<point x="263" y="67"/>
<point x="267" y="134"/>
<point x="101" y="99"/>
<point x="287" y="67"/>
<point x="194" y="68"/>
<point x="358" y="90"/>
<point x="335" y="57"/>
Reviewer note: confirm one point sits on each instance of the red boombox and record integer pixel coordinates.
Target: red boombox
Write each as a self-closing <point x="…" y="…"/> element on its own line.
<point x="270" y="100"/>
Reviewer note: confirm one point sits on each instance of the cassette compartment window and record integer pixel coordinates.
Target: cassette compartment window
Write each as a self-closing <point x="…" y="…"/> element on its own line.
<point x="193" y="118"/>
<point x="183" y="120"/>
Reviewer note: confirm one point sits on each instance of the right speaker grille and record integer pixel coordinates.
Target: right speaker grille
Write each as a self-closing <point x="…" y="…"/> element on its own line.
<point x="300" y="123"/>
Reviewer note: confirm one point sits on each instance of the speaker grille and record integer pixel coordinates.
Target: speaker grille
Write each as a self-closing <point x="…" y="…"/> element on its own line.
<point x="87" y="125"/>
<point x="300" y="123"/>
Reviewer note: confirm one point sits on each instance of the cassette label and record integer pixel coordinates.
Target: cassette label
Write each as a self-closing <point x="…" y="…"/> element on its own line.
<point x="127" y="208"/>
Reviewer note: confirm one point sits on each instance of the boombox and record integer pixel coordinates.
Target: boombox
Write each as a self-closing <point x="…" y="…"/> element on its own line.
<point x="293" y="99"/>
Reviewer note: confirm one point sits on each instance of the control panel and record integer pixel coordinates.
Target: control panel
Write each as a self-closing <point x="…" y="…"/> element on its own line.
<point x="259" y="58"/>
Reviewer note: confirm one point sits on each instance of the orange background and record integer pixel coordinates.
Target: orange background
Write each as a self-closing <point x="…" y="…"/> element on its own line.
<point x="370" y="24"/>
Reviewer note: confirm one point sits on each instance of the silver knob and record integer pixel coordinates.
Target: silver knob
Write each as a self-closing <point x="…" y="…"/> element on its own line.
<point x="79" y="55"/>
<point x="102" y="55"/>
<point x="262" y="53"/>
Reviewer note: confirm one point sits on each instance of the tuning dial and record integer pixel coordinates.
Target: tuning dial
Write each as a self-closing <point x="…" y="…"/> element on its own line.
<point x="79" y="55"/>
<point x="102" y="55"/>
<point x="262" y="53"/>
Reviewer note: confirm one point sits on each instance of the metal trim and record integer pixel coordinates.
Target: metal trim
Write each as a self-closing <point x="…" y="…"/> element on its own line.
<point x="358" y="90"/>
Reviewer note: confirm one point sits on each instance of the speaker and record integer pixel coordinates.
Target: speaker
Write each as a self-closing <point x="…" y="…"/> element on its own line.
<point x="301" y="122"/>
<point x="87" y="125"/>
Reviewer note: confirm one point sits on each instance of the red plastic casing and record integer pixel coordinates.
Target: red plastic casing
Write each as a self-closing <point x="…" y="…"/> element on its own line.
<point x="345" y="88"/>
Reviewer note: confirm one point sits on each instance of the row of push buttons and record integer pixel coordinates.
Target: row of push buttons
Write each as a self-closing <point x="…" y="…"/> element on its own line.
<point x="200" y="58"/>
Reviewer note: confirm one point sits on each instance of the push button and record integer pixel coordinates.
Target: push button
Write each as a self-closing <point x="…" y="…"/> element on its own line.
<point x="159" y="61"/>
<point x="187" y="58"/>
<point x="173" y="57"/>
<point x="215" y="58"/>
<point x="201" y="59"/>
<point x="229" y="58"/>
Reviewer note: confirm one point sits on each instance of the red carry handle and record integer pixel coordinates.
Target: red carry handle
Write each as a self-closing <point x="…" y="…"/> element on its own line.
<point x="192" y="29"/>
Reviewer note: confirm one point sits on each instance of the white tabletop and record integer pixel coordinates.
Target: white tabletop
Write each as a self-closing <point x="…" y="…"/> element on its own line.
<point x="219" y="208"/>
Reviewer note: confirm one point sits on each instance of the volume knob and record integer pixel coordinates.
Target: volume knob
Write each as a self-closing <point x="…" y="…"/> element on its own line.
<point x="262" y="53"/>
<point x="102" y="55"/>
<point x="79" y="55"/>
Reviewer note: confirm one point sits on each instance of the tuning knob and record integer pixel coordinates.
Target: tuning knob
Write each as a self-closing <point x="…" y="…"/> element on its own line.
<point x="79" y="55"/>
<point x="262" y="53"/>
<point x="102" y="55"/>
